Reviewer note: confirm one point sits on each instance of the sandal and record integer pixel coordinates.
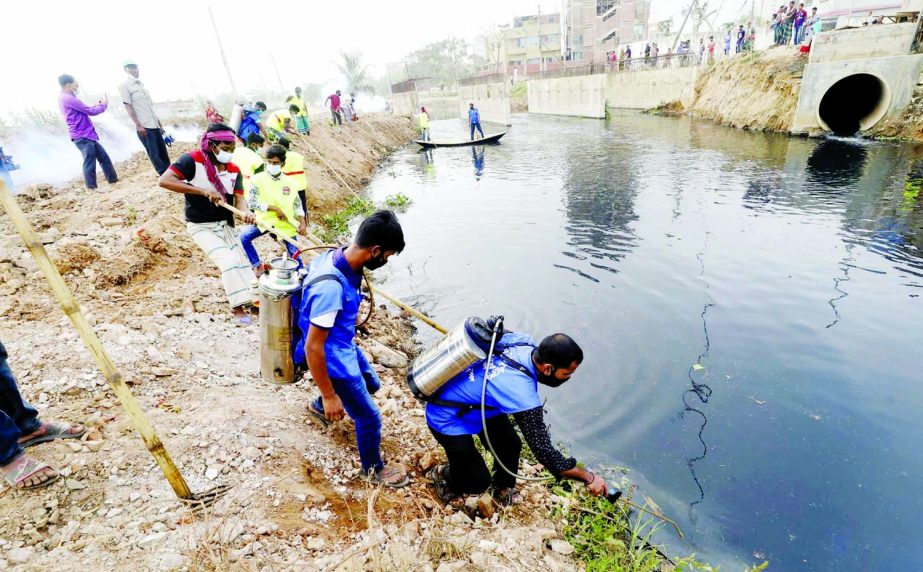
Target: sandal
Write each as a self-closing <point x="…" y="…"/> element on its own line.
<point x="54" y="431"/>
<point x="507" y="497"/>
<point x="392" y="475"/>
<point x="318" y="414"/>
<point x="441" y="483"/>
<point x="21" y="469"/>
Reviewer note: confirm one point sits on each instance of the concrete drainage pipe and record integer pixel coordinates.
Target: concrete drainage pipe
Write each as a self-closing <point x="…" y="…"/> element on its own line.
<point x="854" y="103"/>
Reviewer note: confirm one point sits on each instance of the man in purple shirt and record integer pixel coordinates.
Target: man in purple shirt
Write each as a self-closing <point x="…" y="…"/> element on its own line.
<point x="77" y="115"/>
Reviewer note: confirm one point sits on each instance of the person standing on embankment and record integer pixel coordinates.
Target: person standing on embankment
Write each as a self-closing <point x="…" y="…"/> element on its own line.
<point x="327" y="323"/>
<point x="208" y="179"/>
<point x="77" y="116"/>
<point x="140" y="108"/>
<point x="335" y="112"/>
<point x="302" y="123"/>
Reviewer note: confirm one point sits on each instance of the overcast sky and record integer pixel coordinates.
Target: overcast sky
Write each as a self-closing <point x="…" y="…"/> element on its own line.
<point x="174" y="44"/>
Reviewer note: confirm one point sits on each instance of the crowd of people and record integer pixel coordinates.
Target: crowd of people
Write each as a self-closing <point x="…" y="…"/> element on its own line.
<point x="794" y="25"/>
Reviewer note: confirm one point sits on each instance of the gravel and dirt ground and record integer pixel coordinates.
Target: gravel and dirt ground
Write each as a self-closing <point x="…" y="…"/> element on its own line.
<point x="297" y="500"/>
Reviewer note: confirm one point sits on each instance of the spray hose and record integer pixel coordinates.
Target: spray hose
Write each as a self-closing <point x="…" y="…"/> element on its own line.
<point x="493" y="342"/>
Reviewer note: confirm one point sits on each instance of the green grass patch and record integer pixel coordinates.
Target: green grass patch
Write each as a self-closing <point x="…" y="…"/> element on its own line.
<point x="616" y="538"/>
<point x="399" y="201"/>
<point x="335" y="227"/>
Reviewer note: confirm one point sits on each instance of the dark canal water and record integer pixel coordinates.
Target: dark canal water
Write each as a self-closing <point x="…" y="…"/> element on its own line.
<point x="749" y="306"/>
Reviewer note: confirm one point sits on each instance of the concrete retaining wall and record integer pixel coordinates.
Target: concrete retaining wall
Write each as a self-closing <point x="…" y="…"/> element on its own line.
<point x="644" y="89"/>
<point x="867" y="42"/>
<point x="406" y="103"/>
<point x="577" y="96"/>
<point x="899" y="74"/>
<point x="491" y="99"/>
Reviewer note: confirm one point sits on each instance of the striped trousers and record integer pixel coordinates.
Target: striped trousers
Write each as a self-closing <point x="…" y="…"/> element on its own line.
<point x="222" y="246"/>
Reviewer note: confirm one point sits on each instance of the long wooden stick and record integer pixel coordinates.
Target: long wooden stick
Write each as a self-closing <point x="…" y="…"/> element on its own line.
<point x="397" y="302"/>
<point x="70" y="306"/>
<point x="332" y="169"/>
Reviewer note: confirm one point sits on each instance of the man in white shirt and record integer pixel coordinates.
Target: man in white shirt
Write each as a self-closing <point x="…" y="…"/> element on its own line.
<point x="140" y="108"/>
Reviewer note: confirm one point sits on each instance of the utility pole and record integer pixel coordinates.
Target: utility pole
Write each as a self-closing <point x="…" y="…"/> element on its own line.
<point x="223" y="57"/>
<point x="686" y="19"/>
<point x="272" y="57"/>
<point x="541" y="47"/>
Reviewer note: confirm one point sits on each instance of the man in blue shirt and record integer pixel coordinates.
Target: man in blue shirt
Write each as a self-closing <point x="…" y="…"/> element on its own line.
<point x="454" y="417"/>
<point x="474" y="120"/>
<point x="327" y="319"/>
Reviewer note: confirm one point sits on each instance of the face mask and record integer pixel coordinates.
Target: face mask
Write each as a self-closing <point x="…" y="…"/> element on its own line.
<point x="376" y="262"/>
<point x="274" y="170"/>
<point x="224" y="156"/>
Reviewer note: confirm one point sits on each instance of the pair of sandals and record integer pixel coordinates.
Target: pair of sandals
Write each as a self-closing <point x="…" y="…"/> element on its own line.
<point x="438" y="475"/>
<point x="392" y="475"/>
<point x="23" y="468"/>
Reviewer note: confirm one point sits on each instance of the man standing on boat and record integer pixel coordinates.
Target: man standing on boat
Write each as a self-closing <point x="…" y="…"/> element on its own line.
<point x="474" y="120"/>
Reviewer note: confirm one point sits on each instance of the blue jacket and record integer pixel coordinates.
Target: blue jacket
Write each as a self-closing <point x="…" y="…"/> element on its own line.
<point x="339" y="295"/>
<point x="509" y="390"/>
<point x="473" y="116"/>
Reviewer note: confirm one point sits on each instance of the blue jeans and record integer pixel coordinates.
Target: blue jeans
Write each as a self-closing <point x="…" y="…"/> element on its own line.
<point x="251" y="233"/>
<point x="356" y="395"/>
<point x="92" y="152"/>
<point x="156" y="149"/>
<point x="17" y="418"/>
<point x="799" y="36"/>
<point x="478" y="127"/>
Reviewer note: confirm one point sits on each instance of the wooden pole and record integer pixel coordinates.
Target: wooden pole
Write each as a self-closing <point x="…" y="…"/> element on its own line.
<point x="396" y="301"/>
<point x="70" y="306"/>
<point x="224" y="58"/>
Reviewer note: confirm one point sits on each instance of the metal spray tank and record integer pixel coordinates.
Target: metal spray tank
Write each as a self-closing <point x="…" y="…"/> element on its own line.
<point x="467" y="344"/>
<point x="275" y="289"/>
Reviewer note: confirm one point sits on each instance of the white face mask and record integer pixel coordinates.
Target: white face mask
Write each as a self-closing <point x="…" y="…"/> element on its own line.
<point x="274" y="170"/>
<point x="224" y="156"/>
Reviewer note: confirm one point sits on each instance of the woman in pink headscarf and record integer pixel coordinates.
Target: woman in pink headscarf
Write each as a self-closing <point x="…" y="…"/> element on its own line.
<point x="208" y="179"/>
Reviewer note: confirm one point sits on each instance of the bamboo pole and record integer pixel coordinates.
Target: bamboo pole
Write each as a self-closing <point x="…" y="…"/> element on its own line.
<point x="332" y="169"/>
<point x="396" y="301"/>
<point x="72" y="309"/>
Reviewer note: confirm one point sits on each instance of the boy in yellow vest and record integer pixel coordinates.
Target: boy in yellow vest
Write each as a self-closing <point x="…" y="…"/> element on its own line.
<point x="301" y="118"/>
<point x="273" y="199"/>
<point x="294" y="168"/>
<point x="280" y="122"/>
<point x="247" y="157"/>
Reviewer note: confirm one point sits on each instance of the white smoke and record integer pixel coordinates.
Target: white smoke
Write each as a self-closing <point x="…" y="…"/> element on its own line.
<point x="45" y="156"/>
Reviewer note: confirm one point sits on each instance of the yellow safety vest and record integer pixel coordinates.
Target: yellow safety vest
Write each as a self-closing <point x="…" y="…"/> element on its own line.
<point x="247" y="160"/>
<point x="279" y="192"/>
<point x="424" y="120"/>
<point x="277" y="119"/>
<point x="299" y="101"/>
<point x="294" y="168"/>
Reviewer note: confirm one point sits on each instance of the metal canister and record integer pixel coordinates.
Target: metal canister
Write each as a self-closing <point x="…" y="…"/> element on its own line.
<point x="275" y="290"/>
<point x="461" y="348"/>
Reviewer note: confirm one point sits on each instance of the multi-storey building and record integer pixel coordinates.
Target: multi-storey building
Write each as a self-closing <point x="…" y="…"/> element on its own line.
<point x="594" y="27"/>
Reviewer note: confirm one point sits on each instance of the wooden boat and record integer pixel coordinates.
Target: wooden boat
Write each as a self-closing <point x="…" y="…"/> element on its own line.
<point x="487" y="139"/>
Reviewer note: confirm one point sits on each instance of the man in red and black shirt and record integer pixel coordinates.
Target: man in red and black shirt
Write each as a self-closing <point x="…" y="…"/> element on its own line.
<point x="208" y="180"/>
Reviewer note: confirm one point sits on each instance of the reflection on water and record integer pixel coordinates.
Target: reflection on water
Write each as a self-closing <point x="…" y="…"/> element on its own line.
<point x="748" y="305"/>
<point x="477" y="158"/>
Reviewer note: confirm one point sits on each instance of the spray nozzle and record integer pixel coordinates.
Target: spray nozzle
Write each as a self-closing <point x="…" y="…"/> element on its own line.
<point x="495" y="324"/>
<point x="613" y="494"/>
